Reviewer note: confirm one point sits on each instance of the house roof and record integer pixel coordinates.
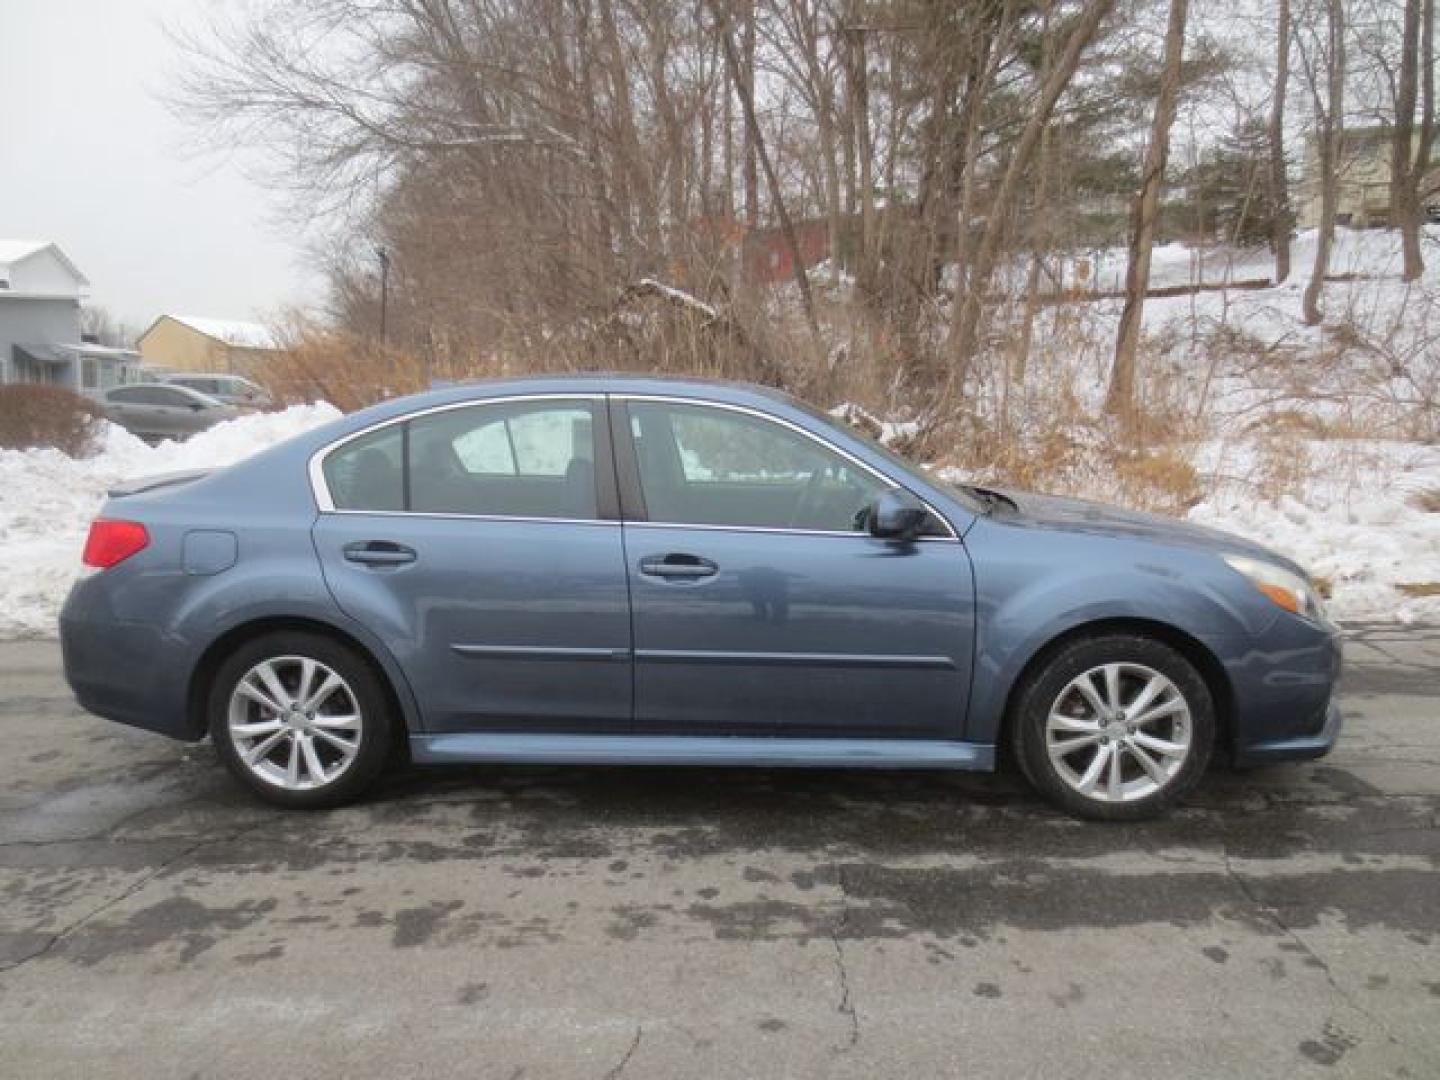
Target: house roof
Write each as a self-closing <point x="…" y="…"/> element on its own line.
<point x="233" y="332"/>
<point x="14" y="251"/>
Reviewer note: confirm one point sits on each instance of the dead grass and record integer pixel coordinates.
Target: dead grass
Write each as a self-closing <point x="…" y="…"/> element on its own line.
<point x="1429" y="500"/>
<point x="1419" y="588"/>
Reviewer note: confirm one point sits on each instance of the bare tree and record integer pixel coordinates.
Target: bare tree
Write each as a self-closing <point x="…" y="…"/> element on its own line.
<point x="745" y="88"/>
<point x="965" y="322"/>
<point x="1329" y="106"/>
<point x="1145" y="215"/>
<point x="99" y="325"/>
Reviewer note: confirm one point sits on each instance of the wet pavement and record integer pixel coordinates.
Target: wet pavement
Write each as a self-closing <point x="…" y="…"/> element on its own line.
<point x="522" y="922"/>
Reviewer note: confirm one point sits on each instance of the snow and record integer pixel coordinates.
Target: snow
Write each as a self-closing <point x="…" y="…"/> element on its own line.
<point x="240" y="334"/>
<point x="675" y="296"/>
<point x="1357" y="504"/>
<point x="12" y="251"/>
<point x="48" y="499"/>
<point x="1358" y="525"/>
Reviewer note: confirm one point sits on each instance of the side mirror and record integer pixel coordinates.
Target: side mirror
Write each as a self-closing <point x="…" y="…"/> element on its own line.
<point x="897" y="515"/>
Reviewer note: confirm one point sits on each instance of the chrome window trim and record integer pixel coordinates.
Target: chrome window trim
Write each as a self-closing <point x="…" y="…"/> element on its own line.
<point x="316" y="466"/>
<point x="321" y="491"/>
<point x="439" y="515"/>
<point x="825" y="443"/>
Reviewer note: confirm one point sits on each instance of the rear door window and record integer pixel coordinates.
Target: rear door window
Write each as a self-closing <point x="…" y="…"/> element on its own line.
<point x="515" y="459"/>
<point x="507" y="459"/>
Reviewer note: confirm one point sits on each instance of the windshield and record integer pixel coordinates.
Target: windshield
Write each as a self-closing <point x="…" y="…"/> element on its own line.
<point x="904" y="465"/>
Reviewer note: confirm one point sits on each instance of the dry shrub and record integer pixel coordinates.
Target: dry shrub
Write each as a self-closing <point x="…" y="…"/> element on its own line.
<point x="1428" y="500"/>
<point x="1282" y="464"/>
<point x="1294" y="421"/>
<point x="347" y="371"/>
<point x="1052" y="434"/>
<point x="32" y="416"/>
<point x="1419" y="588"/>
<point x="1159" y="480"/>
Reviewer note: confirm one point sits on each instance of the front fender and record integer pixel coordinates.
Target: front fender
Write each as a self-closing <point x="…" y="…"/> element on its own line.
<point x="1036" y="585"/>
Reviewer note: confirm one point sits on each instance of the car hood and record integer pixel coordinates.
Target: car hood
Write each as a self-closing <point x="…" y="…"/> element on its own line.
<point x="1082" y="515"/>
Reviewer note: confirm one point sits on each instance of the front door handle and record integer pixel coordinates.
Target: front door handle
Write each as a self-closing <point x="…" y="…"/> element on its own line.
<point x="678" y="567"/>
<point x="379" y="553"/>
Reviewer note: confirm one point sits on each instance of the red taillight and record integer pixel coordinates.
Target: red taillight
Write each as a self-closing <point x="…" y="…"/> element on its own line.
<point x="111" y="542"/>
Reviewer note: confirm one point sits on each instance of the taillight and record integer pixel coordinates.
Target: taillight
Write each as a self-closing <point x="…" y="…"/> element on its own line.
<point x="111" y="542"/>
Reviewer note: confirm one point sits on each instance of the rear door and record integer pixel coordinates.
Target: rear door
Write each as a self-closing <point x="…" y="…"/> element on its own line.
<point x="481" y="542"/>
<point x="760" y="603"/>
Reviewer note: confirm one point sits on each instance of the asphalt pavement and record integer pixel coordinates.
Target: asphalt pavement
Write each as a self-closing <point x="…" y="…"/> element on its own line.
<point x="523" y="922"/>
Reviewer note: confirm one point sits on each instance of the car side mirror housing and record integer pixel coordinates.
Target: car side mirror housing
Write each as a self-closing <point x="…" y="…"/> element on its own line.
<point x="897" y="515"/>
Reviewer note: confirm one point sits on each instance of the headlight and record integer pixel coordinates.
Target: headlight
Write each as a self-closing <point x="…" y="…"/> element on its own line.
<point x="1285" y="587"/>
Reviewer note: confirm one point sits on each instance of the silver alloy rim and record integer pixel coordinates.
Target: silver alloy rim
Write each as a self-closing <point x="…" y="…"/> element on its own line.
<point x="295" y="723"/>
<point x="1119" y="732"/>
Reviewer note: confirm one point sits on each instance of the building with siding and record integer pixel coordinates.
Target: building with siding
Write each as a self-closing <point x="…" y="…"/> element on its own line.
<point x="195" y="343"/>
<point x="40" y="340"/>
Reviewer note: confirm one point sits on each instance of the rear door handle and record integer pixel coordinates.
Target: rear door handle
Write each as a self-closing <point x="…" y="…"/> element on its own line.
<point x="678" y="567"/>
<point x="379" y="553"/>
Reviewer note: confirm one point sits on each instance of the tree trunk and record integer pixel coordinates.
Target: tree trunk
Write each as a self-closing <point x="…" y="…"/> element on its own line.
<point x="859" y="64"/>
<point x="1280" y="217"/>
<point x="1145" y="215"/>
<point x="748" y="145"/>
<point x="1332" y="134"/>
<point x="1410" y="159"/>
<point x="1040" y="234"/>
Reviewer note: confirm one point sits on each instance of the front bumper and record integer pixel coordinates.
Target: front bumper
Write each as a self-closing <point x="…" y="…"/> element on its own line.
<point x="1299" y="748"/>
<point x="1286" y="687"/>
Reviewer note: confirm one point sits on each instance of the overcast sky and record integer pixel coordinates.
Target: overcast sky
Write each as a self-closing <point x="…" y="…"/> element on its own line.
<point x="90" y="159"/>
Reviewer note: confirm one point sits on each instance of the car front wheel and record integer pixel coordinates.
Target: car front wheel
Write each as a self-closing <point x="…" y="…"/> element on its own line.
<point x="1114" y="728"/>
<point x="300" y="720"/>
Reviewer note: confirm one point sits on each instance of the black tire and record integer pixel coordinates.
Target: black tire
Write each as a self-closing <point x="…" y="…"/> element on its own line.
<point x="376" y="725"/>
<point x="1041" y="690"/>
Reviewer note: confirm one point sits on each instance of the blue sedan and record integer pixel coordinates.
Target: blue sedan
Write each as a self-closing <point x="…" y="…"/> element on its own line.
<point x="650" y="571"/>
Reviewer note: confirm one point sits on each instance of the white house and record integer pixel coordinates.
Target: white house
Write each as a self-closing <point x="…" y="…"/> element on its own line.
<point x="40" y="340"/>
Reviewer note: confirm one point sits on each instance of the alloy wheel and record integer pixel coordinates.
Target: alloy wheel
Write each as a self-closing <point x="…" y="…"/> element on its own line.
<point x="1119" y="732"/>
<point x="295" y="723"/>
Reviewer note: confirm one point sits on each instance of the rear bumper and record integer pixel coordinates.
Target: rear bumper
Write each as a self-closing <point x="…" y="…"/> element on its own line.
<point x="128" y="672"/>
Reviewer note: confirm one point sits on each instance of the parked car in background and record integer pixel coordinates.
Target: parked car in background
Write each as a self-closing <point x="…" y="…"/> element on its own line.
<point x="231" y="389"/>
<point x="670" y="572"/>
<point x="161" y="411"/>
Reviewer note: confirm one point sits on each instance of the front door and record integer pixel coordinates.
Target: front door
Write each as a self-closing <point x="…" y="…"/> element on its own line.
<point x="477" y="542"/>
<point x="760" y="603"/>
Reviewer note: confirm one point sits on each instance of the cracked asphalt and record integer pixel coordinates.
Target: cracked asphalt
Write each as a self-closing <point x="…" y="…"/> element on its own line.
<point x="521" y="922"/>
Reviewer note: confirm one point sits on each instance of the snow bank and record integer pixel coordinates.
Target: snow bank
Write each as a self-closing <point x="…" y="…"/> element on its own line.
<point x="1359" y="523"/>
<point x="47" y="500"/>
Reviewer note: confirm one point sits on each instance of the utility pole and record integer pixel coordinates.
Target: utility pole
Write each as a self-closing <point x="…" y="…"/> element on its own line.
<point x="384" y="257"/>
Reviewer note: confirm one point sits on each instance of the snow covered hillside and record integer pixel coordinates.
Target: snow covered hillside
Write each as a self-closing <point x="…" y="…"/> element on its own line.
<point x="1322" y="442"/>
<point x="47" y="500"/>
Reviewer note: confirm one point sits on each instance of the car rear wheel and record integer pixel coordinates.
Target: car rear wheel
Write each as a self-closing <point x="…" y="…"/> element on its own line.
<point x="1114" y="728"/>
<point x="300" y="719"/>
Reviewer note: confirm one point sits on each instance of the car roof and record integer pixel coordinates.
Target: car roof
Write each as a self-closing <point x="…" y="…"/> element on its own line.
<point x="161" y="386"/>
<point x="622" y="382"/>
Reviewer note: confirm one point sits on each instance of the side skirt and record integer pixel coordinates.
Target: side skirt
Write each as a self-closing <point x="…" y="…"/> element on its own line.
<point x="719" y="751"/>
